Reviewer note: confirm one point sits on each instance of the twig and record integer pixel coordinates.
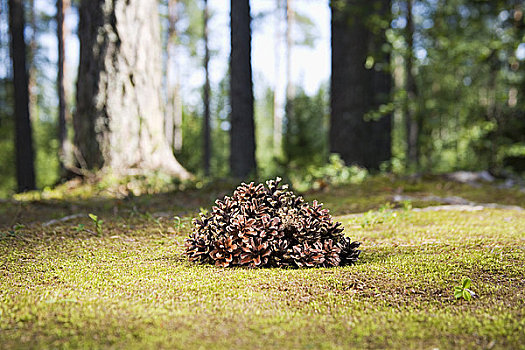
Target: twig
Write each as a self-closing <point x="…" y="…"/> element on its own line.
<point x="65" y="218"/>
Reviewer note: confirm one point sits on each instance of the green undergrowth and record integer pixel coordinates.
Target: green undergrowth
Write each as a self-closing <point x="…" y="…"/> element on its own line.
<point x="126" y="284"/>
<point x="119" y="198"/>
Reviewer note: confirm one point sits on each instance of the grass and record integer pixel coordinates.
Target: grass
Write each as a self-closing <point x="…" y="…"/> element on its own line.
<point x="130" y="286"/>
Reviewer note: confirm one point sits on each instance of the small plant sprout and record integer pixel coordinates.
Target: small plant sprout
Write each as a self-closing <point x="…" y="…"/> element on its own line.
<point x="79" y="228"/>
<point x="464" y="291"/>
<point x="177" y="222"/>
<point x="98" y="223"/>
<point x="13" y="232"/>
<point x="406" y="205"/>
<point x="16" y="229"/>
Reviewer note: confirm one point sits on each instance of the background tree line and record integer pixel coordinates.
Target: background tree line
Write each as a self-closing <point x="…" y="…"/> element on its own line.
<point x="416" y="86"/>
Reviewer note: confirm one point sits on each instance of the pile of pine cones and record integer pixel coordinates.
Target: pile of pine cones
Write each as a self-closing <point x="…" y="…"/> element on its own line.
<point x="269" y="227"/>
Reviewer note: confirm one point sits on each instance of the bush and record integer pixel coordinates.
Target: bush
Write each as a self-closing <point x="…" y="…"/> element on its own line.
<point x="334" y="173"/>
<point x="269" y="227"/>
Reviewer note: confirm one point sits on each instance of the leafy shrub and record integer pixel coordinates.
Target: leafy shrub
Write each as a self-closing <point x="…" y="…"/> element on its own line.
<point x="269" y="227"/>
<point x="334" y="173"/>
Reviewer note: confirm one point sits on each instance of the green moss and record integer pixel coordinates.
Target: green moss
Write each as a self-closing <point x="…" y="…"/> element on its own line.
<point x="131" y="287"/>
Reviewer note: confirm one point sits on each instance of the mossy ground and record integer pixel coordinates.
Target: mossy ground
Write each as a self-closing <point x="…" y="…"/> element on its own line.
<point x="65" y="286"/>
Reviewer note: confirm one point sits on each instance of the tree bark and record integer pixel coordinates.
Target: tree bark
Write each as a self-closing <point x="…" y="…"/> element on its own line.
<point x="242" y="132"/>
<point x="357" y="89"/>
<point x="119" y="122"/>
<point x="290" y="88"/>
<point x="206" y="120"/>
<point x="32" y="69"/>
<point x="173" y="113"/>
<point x="411" y="122"/>
<point x="65" y="152"/>
<point x="278" y="95"/>
<point x="25" y="172"/>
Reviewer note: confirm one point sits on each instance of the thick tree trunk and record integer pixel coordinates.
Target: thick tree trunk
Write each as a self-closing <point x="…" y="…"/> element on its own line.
<point x="242" y="132"/>
<point x="119" y="120"/>
<point x="206" y="120"/>
<point x="356" y="89"/>
<point x="411" y="123"/>
<point x="25" y="172"/>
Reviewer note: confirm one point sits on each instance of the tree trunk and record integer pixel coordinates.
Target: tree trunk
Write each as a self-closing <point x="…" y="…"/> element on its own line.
<point x="173" y="117"/>
<point x="290" y="88"/>
<point x="381" y="130"/>
<point x="119" y="121"/>
<point x="357" y="89"/>
<point x="65" y="154"/>
<point x="411" y="123"/>
<point x="278" y="104"/>
<point x="32" y="70"/>
<point x="242" y="132"/>
<point x="25" y="172"/>
<point x="206" y="92"/>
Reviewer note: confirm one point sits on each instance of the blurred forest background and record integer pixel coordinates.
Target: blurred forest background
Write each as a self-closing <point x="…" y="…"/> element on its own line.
<point x="417" y="86"/>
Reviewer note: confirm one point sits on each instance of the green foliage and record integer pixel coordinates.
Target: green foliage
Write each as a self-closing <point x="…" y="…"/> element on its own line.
<point x="466" y="73"/>
<point x="220" y="133"/>
<point x="306" y="133"/>
<point x="463" y="291"/>
<point x="97" y="222"/>
<point x="13" y="232"/>
<point x="268" y="161"/>
<point x="79" y="228"/>
<point x="334" y="173"/>
<point x="46" y="155"/>
<point x="191" y="153"/>
<point x="189" y="23"/>
<point x="181" y="224"/>
<point x="306" y="163"/>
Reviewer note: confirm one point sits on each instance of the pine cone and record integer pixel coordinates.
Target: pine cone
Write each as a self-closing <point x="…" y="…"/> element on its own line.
<point x="269" y="226"/>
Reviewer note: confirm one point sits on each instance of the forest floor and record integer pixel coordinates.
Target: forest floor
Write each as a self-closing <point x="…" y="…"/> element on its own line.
<point x="65" y="285"/>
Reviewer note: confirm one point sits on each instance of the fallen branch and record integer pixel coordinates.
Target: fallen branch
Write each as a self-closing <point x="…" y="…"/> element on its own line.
<point x="453" y="203"/>
<point x="65" y="218"/>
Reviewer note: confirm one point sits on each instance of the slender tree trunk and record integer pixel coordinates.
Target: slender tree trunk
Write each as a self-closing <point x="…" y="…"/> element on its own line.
<point x="411" y="122"/>
<point x="356" y="89"/>
<point x="381" y="140"/>
<point x="278" y="104"/>
<point x="242" y="132"/>
<point x="25" y="172"/>
<point x="173" y="118"/>
<point x="33" y="47"/>
<point x="119" y="122"/>
<point x="290" y="88"/>
<point x="65" y="148"/>
<point x="169" y="123"/>
<point x="206" y="93"/>
<point x="62" y="132"/>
